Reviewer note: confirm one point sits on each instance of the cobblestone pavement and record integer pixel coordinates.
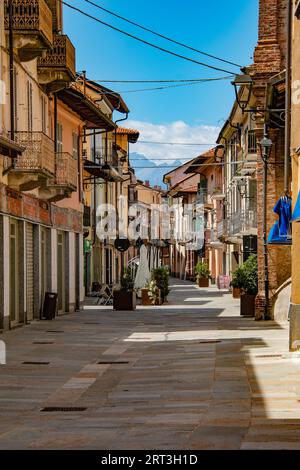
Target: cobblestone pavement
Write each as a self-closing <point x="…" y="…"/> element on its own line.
<point x="189" y="375"/>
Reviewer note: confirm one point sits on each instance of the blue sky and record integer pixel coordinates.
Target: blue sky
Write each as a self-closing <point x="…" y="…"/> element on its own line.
<point x="223" y="28"/>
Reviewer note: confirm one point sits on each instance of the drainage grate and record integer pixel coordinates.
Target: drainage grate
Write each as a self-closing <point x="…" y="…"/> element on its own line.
<point x="63" y="409"/>
<point x="213" y="341"/>
<point x="42" y="342"/>
<point x="113" y="362"/>
<point x="36" y="363"/>
<point x="268" y="355"/>
<point x="91" y="323"/>
<point x="54" y="331"/>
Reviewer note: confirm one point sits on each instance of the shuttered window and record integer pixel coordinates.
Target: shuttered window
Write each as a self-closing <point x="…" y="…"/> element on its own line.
<point x="59" y="137"/>
<point x="44" y="114"/>
<point x="75" y="145"/>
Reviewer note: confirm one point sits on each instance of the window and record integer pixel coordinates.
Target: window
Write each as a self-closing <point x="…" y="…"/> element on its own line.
<point x="44" y="114"/>
<point x="75" y="145"/>
<point x="29" y="107"/>
<point x="59" y="138"/>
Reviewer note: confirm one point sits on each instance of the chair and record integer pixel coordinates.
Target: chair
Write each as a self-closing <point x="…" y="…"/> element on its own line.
<point x="105" y="296"/>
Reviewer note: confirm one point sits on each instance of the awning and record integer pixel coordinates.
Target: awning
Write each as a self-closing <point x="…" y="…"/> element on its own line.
<point x="86" y="109"/>
<point x="10" y="148"/>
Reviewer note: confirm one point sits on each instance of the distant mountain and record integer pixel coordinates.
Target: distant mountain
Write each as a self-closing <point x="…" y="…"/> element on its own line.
<point x="154" y="175"/>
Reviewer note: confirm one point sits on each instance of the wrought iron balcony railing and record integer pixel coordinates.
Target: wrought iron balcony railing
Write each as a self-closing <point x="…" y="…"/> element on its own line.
<point x="61" y="59"/>
<point x="222" y="228"/>
<point x="242" y="223"/>
<point x="66" y="170"/>
<point x="38" y="156"/>
<point x="31" y="18"/>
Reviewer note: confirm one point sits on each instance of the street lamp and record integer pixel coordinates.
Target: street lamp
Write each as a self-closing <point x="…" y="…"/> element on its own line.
<point x="243" y="81"/>
<point x="265" y="147"/>
<point x="218" y="158"/>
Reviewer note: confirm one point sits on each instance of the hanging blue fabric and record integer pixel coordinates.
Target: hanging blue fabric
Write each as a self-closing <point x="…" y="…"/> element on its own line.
<point x="281" y="232"/>
<point x="296" y="213"/>
<point x="283" y="208"/>
<point x="274" y="237"/>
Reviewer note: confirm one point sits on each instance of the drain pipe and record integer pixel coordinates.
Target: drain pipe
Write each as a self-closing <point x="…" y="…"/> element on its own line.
<point x="119" y="120"/>
<point x="11" y="70"/>
<point x="288" y="98"/>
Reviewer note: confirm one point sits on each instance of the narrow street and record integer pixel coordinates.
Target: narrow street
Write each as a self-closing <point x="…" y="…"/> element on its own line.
<point x="191" y="374"/>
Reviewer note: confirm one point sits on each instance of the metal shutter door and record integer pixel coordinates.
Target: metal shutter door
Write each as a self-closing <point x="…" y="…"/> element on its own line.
<point x="29" y="271"/>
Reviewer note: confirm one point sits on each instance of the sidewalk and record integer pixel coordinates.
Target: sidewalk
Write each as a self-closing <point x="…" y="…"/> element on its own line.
<point x="192" y="374"/>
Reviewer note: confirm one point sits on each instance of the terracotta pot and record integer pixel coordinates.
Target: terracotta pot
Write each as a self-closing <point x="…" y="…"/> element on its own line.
<point x="145" y="297"/>
<point x="203" y="282"/>
<point x="124" y="300"/>
<point x="236" y="292"/>
<point x="248" y="305"/>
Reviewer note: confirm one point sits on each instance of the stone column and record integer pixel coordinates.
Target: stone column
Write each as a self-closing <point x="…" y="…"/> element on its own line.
<point x="295" y="144"/>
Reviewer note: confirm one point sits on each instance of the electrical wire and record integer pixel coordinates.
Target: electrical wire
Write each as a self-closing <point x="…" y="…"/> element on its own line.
<point x="174" y="143"/>
<point x="167" y="51"/>
<point x="174" y="41"/>
<point x="196" y="165"/>
<point x="168" y="86"/>
<point x="152" y="81"/>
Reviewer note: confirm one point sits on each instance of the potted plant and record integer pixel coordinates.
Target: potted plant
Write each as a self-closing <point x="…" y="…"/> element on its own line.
<point x="202" y="274"/>
<point x="161" y="277"/>
<point x="153" y="294"/>
<point x="125" y="298"/>
<point x="236" y="283"/>
<point x="249" y="286"/>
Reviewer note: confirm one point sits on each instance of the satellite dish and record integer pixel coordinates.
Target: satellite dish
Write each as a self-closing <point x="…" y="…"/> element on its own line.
<point x="122" y="244"/>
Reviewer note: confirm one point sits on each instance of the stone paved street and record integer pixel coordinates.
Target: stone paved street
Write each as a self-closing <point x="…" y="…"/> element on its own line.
<point x="189" y="375"/>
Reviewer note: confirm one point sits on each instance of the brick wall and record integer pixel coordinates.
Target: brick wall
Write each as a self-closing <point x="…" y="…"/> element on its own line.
<point x="269" y="59"/>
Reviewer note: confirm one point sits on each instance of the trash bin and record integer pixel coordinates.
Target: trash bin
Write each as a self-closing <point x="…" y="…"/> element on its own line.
<point x="50" y="305"/>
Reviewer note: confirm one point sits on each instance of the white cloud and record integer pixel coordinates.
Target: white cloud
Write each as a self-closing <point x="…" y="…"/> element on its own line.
<point x="177" y="131"/>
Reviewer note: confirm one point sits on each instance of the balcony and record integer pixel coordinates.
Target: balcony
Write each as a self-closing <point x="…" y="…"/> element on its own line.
<point x="204" y="198"/>
<point x="242" y="223"/>
<point x="222" y="229"/>
<point x="57" y="68"/>
<point x="36" y="164"/>
<point x="217" y="194"/>
<point x="65" y="180"/>
<point x="32" y="27"/>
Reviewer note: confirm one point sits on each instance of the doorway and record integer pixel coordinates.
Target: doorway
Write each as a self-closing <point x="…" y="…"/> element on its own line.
<point x="13" y="273"/>
<point x="61" y="272"/>
<point x="29" y="273"/>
